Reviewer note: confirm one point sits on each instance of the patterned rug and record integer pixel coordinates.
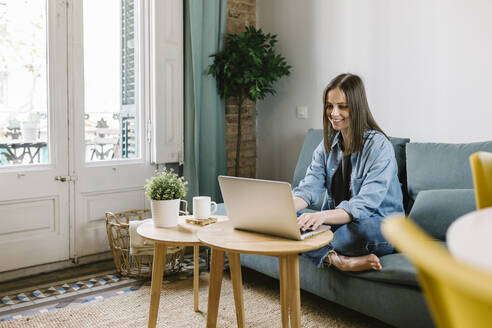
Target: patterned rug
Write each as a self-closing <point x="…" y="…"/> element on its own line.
<point x="43" y="298"/>
<point x="129" y="308"/>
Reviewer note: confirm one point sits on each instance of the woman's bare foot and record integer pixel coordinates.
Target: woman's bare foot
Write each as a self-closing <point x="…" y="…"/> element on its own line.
<point x="356" y="263"/>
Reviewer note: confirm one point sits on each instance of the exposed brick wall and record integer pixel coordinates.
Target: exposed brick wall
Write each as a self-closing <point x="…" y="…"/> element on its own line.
<point x="241" y="13"/>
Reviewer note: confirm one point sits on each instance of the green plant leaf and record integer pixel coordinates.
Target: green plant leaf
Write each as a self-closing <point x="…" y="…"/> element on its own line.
<point x="248" y="66"/>
<point x="165" y="185"/>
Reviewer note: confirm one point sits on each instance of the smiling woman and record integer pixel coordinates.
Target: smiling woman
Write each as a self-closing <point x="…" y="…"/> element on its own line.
<point x="356" y="166"/>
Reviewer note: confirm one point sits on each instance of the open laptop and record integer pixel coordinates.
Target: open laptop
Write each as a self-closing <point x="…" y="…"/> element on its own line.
<point x="263" y="206"/>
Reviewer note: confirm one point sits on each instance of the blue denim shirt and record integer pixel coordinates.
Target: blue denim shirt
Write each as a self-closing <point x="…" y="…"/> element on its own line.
<point x="374" y="184"/>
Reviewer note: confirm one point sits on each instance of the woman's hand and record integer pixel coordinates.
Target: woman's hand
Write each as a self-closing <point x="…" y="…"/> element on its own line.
<point x="314" y="220"/>
<point x="311" y="220"/>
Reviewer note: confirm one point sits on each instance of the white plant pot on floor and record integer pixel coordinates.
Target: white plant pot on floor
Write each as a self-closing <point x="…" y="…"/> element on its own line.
<point x="165" y="212"/>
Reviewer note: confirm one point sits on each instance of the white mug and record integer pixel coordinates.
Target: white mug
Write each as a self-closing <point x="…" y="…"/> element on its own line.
<point x="201" y="207"/>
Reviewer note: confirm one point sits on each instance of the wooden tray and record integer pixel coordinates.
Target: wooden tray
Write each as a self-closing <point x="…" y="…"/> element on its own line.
<point x="201" y="222"/>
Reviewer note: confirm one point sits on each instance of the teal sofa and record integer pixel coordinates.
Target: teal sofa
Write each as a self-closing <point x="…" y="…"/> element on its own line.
<point x="437" y="186"/>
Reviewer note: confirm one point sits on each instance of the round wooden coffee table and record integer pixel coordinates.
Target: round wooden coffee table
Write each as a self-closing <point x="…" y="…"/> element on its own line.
<point x="468" y="239"/>
<point x="184" y="234"/>
<point x="222" y="237"/>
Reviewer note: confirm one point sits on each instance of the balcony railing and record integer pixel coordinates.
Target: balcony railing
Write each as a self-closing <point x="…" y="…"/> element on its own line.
<point x="106" y="137"/>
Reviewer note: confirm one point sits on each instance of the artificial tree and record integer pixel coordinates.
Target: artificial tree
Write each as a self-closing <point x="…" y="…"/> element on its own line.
<point x="246" y="69"/>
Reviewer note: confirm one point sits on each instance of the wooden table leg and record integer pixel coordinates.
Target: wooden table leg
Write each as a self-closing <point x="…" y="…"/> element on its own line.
<point x="295" y="292"/>
<point x="216" y="270"/>
<point x="284" y="291"/>
<point x="196" y="276"/>
<point x="237" y="287"/>
<point x="159" y="261"/>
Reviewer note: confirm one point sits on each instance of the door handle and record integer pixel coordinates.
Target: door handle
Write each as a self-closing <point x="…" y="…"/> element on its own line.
<point x="65" y="178"/>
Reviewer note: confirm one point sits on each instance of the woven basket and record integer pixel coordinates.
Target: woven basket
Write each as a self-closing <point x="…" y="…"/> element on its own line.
<point x="137" y="266"/>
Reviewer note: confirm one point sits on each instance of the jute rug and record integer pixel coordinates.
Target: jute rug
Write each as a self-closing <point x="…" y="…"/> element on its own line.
<point x="261" y="304"/>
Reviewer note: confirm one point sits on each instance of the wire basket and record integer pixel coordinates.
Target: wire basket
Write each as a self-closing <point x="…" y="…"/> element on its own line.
<point x="137" y="266"/>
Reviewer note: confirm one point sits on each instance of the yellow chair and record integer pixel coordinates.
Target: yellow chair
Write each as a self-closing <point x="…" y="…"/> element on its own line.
<point x="481" y="164"/>
<point x="457" y="294"/>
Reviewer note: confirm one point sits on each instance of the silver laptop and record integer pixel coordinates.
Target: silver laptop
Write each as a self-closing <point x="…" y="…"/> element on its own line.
<point x="262" y="206"/>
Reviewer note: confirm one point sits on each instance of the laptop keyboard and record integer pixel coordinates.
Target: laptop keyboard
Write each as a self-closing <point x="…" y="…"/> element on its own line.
<point x="310" y="232"/>
<point x="307" y="233"/>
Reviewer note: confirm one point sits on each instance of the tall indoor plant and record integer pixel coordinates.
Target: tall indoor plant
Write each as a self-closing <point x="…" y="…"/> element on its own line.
<point x="246" y="69"/>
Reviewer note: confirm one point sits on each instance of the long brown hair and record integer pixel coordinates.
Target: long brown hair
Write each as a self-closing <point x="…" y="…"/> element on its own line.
<point x="361" y="118"/>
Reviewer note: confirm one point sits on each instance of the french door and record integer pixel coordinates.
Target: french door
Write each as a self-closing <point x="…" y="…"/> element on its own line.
<point x="34" y="211"/>
<point x="110" y="145"/>
<point x="73" y="125"/>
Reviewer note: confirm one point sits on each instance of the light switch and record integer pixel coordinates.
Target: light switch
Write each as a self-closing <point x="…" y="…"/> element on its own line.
<point x="302" y="111"/>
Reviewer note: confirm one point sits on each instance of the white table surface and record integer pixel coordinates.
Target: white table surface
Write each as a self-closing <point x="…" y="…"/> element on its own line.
<point x="469" y="239"/>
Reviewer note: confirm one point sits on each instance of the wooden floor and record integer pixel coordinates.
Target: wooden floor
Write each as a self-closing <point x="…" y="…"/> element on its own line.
<point x="46" y="278"/>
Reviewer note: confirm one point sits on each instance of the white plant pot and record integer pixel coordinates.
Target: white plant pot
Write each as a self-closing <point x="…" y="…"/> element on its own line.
<point x="29" y="131"/>
<point x="165" y="212"/>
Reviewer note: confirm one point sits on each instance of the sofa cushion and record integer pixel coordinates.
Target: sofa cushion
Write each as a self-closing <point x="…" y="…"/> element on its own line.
<point x="396" y="270"/>
<point x="399" y="145"/>
<point x="435" y="210"/>
<point x="313" y="138"/>
<point x="440" y="166"/>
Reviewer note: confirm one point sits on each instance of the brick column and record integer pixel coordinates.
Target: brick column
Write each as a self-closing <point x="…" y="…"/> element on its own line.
<point x="241" y="13"/>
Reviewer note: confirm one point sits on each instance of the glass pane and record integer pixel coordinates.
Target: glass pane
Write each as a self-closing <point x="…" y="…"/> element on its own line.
<point x="23" y="83"/>
<point x="110" y="71"/>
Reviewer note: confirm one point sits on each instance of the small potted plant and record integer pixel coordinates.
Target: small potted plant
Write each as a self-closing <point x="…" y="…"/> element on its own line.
<point x="165" y="190"/>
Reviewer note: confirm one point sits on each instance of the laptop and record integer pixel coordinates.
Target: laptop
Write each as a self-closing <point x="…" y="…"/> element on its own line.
<point x="263" y="206"/>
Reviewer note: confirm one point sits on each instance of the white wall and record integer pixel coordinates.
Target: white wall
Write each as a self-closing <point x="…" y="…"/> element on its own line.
<point x="426" y="64"/>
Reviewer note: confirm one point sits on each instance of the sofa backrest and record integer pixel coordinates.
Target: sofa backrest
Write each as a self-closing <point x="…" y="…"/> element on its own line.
<point x="433" y="166"/>
<point x="314" y="137"/>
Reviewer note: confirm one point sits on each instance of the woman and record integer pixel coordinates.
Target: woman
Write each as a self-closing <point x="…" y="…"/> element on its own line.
<point x="355" y="164"/>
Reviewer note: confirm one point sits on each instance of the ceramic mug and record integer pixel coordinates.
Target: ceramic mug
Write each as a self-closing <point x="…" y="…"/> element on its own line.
<point x="202" y="207"/>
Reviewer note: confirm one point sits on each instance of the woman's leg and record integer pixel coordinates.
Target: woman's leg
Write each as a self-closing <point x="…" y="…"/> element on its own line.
<point x="318" y="256"/>
<point x="354" y="263"/>
<point x="357" y="245"/>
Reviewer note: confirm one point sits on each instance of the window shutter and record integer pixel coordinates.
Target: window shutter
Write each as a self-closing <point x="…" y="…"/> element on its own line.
<point x="129" y="73"/>
<point x="166" y="69"/>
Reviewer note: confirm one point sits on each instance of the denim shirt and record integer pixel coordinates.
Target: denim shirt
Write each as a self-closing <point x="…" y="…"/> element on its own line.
<point x="374" y="184"/>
